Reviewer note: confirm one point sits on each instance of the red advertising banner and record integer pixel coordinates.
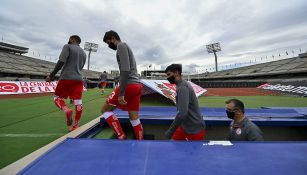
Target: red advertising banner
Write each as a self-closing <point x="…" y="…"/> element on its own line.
<point x="26" y="87"/>
<point x="166" y="89"/>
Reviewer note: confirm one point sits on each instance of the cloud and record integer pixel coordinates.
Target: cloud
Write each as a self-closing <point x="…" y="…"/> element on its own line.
<point x="159" y="32"/>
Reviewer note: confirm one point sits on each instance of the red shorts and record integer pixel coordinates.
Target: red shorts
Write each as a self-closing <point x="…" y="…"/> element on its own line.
<point x="103" y="84"/>
<point x="69" y="88"/>
<point x="132" y="96"/>
<point x="180" y="134"/>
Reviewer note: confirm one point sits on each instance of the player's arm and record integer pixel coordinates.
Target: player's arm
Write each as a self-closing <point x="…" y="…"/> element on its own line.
<point x="124" y="68"/>
<point x="182" y="114"/>
<point x="62" y="59"/>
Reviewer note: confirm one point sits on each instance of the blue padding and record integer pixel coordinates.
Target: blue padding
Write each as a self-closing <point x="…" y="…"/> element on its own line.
<point x="216" y="112"/>
<point x="217" y="116"/>
<point x="130" y="157"/>
<point x="300" y="110"/>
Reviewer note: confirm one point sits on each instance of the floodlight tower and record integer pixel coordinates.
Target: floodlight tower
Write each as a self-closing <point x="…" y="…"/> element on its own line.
<point x="90" y="47"/>
<point x="213" y="48"/>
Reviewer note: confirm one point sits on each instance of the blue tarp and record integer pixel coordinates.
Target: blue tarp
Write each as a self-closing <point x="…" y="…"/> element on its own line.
<point x="131" y="157"/>
<point x="217" y="112"/>
<point x="300" y="110"/>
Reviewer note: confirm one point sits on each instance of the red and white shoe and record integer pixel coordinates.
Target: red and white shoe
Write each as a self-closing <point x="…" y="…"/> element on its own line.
<point x="122" y="137"/>
<point x="73" y="127"/>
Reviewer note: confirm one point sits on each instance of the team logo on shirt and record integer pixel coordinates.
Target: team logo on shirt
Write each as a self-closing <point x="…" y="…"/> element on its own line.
<point x="238" y="131"/>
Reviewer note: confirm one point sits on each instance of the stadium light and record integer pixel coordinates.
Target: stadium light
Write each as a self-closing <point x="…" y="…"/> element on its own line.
<point x="213" y="48"/>
<point x="90" y="47"/>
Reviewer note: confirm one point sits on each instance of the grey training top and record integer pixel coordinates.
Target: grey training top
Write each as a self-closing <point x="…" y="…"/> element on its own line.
<point x="74" y="59"/>
<point x="246" y="130"/>
<point x="103" y="77"/>
<point x="127" y="67"/>
<point x="188" y="113"/>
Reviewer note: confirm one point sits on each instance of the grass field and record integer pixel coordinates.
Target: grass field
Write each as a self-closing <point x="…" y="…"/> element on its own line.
<point x="30" y="123"/>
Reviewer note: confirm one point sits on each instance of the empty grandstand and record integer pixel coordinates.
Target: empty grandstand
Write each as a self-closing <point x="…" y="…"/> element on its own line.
<point x="15" y="66"/>
<point x="13" y="48"/>
<point x="287" y="70"/>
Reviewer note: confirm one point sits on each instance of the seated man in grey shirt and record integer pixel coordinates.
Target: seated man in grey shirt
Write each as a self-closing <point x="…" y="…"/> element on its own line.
<point x="188" y="123"/>
<point x="241" y="128"/>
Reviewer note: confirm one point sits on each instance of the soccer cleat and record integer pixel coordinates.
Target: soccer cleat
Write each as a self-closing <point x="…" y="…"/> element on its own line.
<point x="121" y="137"/>
<point x="73" y="127"/>
<point x="68" y="113"/>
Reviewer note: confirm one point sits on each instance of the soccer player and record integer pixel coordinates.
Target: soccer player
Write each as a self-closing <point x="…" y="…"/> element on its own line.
<point x="71" y="63"/>
<point x="188" y="123"/>
<point x="103" y="81"/>
<point x="127" y="95"/>
<point x="116" y="83"/>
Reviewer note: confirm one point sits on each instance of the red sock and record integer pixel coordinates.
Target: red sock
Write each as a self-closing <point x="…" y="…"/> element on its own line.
<point x="114" y="124"/>
<point x="68" y="112"/>
<point x="78" y="110"/>
<point x="60" y="103"/>
<point x="138" y="129"/>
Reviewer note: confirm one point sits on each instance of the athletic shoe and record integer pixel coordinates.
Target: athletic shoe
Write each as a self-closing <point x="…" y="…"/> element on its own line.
<point x="122" y="137"/>
<point x="73" y="127"/>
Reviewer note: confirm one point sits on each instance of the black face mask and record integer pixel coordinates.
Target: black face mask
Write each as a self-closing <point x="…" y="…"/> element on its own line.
<point x="69" y="42"/>
<point x="171" y="79"/>
<point x="112" y="46"/>
<point x="230" y="114"/>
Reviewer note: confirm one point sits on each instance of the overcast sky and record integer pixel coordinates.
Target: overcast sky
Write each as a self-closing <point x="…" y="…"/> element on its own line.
<point x="160" y="32"/>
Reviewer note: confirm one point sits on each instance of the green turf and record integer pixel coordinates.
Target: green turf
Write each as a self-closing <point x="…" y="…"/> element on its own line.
<point x="39" y="117"/>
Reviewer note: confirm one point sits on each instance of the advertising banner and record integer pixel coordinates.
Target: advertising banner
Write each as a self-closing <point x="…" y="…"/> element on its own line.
<point x="26" y="87"/>
<point x="166" y="89"/>
<point x="295" y="88"/>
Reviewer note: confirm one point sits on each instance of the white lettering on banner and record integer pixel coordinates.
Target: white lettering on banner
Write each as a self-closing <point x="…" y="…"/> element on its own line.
<point x="301" y="89"/>
<point x="286" y="88"/>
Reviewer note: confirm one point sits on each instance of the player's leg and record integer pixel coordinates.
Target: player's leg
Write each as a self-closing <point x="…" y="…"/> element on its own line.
<point x="60" y="94"/>
<point x="103" y="86"/>
<point x="198" y="136"/>
<point x="78" y="114"/>
<point x="179" y="134"/>
<point x="60" y="103"/>
<point x="136" y="124"/>
<point x="76" y="95"/>
<point x="133" y="95"/>
<point x="109" y="116"/>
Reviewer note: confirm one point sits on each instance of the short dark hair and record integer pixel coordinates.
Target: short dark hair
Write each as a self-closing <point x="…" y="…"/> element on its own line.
<point x="104" y="72"/>
<point x="237" y="104"/>
<point x="108" y="36"/>
<point x="77" y="38"/>
<point x="174" y="68"/>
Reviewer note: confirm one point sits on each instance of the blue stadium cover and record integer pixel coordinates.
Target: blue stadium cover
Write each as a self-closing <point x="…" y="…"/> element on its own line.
<point x="131" y="157"/>
<point x="217" y="112"/>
